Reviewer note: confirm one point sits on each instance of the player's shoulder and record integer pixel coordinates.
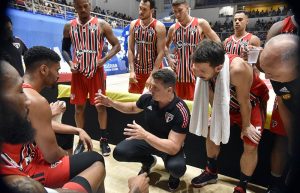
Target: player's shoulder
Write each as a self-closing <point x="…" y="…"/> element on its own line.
<point x="238" y="66"/>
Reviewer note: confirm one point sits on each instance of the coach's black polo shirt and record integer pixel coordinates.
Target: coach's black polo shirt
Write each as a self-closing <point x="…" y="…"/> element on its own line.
<point x="288" y="91"/>
<point x="175" y="116"/>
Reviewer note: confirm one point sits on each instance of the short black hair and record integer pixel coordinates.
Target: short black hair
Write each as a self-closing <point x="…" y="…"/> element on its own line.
<point x="38" y="55"/>
<point x="241" y="11"/>
<point x="168" y="77"/>
<point x="210" y="52"/>
<point x="178" y="2"/>
<point x="152" y="3"/>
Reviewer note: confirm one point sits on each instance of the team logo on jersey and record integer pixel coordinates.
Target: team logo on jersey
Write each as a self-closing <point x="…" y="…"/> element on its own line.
<point x="150" y="31"/>
<point x="286" y="96"/>
<point x="193" y="30"/>
<point x="93" y="28"/>
<point x="169" y="117"/>
<point x="243" y="43"/>
<point x="274" y="123"/>
<point x="17" y="45"/>
<point x="149" y="107"/>
<point x="74" y="29"/>
<point x="136" y="29"/>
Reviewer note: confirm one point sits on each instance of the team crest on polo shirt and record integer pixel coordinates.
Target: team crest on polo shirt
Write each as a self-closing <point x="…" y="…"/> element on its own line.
<point x="169" y="117"/>
<point x="286" y="96"/>
<point x="17" y="45"/>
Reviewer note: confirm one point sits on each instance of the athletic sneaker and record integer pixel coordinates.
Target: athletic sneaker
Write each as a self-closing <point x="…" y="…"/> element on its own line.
<point x="104" y="147"/>
<point x="239" y="189"/>
<point x="173" y="183"/>
<point x="79" y="148"/>
<point x="206" y="177"/>
<point x="147" y="166"/>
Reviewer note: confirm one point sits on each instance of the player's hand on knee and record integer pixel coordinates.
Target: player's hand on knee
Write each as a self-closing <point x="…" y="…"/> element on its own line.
<point x="252" y="133"/>
<point x="86" y="139"/>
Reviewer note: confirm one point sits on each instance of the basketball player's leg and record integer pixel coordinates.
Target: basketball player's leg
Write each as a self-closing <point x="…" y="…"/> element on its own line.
<point x="279" y="152"/>
<point x="78" y="97"/>
<point x="138" y="87"/>
<point x="249" y="156"/>
<point x="97" y="84"/>
<point x="210" y="174"/>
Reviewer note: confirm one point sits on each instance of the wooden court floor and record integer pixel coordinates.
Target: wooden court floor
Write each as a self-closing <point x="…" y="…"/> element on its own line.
<point x="117" y="174"/>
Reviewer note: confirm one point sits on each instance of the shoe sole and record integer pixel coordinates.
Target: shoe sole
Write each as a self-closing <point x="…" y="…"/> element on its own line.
<point x="105" y="154"/>
<point x="213" y="181"/>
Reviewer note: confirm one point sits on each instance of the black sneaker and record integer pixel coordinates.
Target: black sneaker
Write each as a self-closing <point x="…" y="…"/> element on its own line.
<point x="104" y="147"/>
<point x="173" y="183"/>
<point x="147" y="166"/>
<point x="206" y="177"/>
<point x="274" y="189"/>
<point x="79" y="148"/>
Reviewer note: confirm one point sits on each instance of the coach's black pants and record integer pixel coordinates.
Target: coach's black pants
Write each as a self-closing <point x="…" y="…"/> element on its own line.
<point x="140" y="151"/>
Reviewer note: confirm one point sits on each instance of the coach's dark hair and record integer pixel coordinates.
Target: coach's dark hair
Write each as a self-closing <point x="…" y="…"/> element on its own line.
<point x="210" y="52"/>
<point x="165" y="75"/>
<point x="152" y="3"/>
<point x="241" y="11"/>
<point x="178" y="2"/>
<point x="38" y="55"/>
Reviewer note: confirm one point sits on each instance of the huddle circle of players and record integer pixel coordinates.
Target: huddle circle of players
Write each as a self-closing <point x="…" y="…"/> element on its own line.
<point x="202" y="70"/>
<point x="248" y="93"/>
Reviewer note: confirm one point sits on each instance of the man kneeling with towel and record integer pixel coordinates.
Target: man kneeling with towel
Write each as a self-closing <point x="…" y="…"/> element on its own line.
<point x="235" y="93"/>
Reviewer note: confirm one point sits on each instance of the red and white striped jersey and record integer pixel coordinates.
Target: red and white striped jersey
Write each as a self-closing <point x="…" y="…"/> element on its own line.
<point x="235" y="46"/>
<point x="87" y="42"/>
<point x="145" y="47"/>
<point x="185" y="40"/>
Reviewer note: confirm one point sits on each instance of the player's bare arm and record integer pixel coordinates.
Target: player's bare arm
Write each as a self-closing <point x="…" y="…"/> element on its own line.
<point x="131" y="51"/>
<point x="171" y="61"/>
<point x="112" y="39"/>
<point x="241" y="75"/>
<point x="208" y="31"/>
<point x="40" y="117"/>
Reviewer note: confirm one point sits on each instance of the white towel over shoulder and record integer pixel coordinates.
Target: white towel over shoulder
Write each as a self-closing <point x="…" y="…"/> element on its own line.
<point x="220" y="118"/>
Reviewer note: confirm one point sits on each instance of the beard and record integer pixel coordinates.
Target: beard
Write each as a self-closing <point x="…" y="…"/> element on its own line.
<point x="14" y="129"/>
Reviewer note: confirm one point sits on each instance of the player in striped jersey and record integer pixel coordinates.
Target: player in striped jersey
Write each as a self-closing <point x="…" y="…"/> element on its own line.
<point x="240" y="42"/>
<point x="86" y="34"/>
<point x="248" y="99"/>
<point x="186" y="33"/>
<point x="147" y="37"/>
